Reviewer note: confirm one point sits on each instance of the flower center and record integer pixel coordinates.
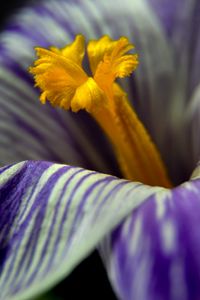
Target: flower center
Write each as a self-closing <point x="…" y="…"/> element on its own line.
<point x="62" y="80"/>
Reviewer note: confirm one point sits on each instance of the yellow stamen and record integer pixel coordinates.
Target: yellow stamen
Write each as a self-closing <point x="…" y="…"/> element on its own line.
<point x="62" y="80"/>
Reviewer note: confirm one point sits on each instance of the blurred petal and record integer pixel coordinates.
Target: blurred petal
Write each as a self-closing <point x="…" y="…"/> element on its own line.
<point x="192" y="129"/>
<point x="32" y="131"/>
<point x="57" y="22"/>
<point x="52" y="217"/>
<point x="169" y="12"/>
<point x="187" y="42"/>
<point x="154" y="254"/>
<point x="181" y="20"/>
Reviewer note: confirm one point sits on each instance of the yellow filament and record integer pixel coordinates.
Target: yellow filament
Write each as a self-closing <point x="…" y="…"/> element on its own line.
<point x="62" y="80"/>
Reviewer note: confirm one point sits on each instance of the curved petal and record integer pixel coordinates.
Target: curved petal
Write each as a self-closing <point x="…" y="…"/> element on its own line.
<point x="181" y="19"/>
<point x="32" y="131"/>
<point x="52" y="217"/>
<point x="154" y="82"/>
<point x="157" y="82"/>
<point x="154" y="254"/>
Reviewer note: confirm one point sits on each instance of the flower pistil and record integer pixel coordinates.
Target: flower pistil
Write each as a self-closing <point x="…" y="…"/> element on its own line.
<point x="63" y="82"/>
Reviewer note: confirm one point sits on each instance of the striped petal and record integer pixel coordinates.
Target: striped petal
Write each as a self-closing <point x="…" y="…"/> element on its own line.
<point x="158" y="28"/>
<point x="52" y="217"/>
<point x="56" y="22"/>
<point x="30" y="131"/>
<point x="187" y="42"/>
<point x="192" y="128"/>
<point x="154" y="254"/>
<point x="180" y="21"/>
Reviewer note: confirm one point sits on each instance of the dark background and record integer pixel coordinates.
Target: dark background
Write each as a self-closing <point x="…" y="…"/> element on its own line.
<point x="89" y="279"/>
<point x="7" y="8"/>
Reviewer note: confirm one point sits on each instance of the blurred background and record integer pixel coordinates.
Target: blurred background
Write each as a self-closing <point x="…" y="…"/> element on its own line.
<point x="89" y="280"/>
<point x="8" y="8"/>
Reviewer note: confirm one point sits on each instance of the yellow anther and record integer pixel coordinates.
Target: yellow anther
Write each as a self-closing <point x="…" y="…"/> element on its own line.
<point x="59" y="73"/>
<point x="62" y="80"/>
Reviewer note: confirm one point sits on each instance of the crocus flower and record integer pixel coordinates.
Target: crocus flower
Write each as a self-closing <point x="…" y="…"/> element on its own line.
<point x="54" y="213"/>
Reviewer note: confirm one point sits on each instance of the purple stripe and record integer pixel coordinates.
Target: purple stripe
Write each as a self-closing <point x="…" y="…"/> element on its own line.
<point x="63" y="23"/>
<point x="169" y="262"/>
<point x="83" y="119"/>
<point x="49" y="235"/>
<point x="10" y="200"/>
<point x="3" y="169"/>
<point x="30" y="249"/>
<point x="168" y="13"/>
<point x="107" y="197"/>
<point x="19" y="94"/>
<point x="43" y="195"/>
<point x="66" y="211"/>
<point x="38" y="203"/>
<point x="17" y="70"/>
<point x="37" y="179"/>
<point x="67" y="135"/>
<point x="65" y="215"/>
<point x="34" y="36"/>
<point x="80" y="210"/>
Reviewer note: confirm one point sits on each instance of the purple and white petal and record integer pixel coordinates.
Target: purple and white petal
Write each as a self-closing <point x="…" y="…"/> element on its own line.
<point x="181" y="20"/>
<point x="34" y="132"/>
<point x="192" y="129"/>
<point x="154" y="254"/>
<point x="57" y="22"/>
<point x="52" y="217"/>
<point x="169" y="13"/>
